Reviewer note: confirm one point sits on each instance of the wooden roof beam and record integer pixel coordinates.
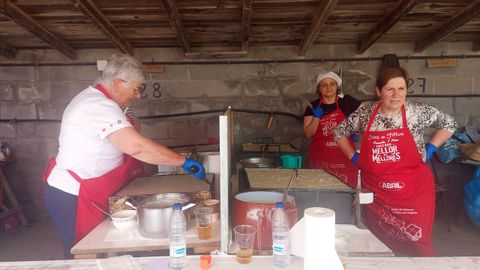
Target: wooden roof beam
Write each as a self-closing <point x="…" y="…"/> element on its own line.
<point x="246" y="19"/>
<point x="91" y="10"/>
<point x="465" y="15"/>
<point x="7" y="51"/>
<point x="319" y="19"/>
<point x="176" y="22"/>
<point x="400" y="10"/>
<point x="16" y="14"/>
<point x="220" y="54"/>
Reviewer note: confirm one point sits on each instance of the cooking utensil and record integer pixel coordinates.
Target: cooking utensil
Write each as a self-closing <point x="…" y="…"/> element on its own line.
<point x="258" y="162"/>
<point x="294" y="174"/>
<point x="131" y="205"/>
<point x="124" y="219"/>
<point x="154" y="213"/>
<point x="270" y="120"/>
<point x="255" y="208"/>
<point x="101" y="210"/>
<point x="188" y="206"/>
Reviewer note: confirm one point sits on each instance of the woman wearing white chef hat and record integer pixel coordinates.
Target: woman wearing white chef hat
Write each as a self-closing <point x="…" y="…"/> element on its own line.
<point x="319" y="120"/>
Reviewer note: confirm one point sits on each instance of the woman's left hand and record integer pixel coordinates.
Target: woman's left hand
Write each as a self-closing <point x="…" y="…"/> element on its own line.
<point x="354" y="159"/>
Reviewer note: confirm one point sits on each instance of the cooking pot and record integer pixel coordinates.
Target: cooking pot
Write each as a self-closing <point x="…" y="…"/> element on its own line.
<point x="258" y="162"/>
<point x="154" y="213"/>
<point x="256" y="208"/>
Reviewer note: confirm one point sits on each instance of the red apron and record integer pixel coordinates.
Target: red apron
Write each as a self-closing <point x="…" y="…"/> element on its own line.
<point x="97" y="190"/>
<point x="324" y="152"/>
<point x="402" y="213"/>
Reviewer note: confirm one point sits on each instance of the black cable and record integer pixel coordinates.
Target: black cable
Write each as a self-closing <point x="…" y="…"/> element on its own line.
<point x="299" y="118"/>
<point x="265" y="61"/>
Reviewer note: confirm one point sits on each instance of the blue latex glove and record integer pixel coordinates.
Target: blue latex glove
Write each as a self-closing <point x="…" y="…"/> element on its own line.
<point x="194" y="168"/>
<point x="429" y="150"/>
<point x="318" y="112"/>
<point x="355" y="137"/>
<point x="354" y="159"/>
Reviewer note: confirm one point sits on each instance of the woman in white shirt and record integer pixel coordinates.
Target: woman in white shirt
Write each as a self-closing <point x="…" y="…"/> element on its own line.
<point x="100" y="151"/>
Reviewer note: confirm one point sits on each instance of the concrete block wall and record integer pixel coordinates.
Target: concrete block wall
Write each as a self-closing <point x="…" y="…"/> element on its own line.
<point x="41" y="92"/>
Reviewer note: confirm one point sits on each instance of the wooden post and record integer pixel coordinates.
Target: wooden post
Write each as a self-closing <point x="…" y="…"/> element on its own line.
<point x="16" y="208"/>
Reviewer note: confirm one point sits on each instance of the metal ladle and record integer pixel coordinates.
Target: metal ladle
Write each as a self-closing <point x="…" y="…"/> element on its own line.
<point x="131" y="205"/>
<point x="101" y="210"/>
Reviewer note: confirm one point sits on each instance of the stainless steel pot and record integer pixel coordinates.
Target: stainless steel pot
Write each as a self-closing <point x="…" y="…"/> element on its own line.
<point x="258" y="162"/>
<point x="154" y="213"/>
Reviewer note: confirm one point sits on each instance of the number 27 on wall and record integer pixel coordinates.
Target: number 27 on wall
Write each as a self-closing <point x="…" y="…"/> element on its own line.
<point x="418" y="84"/>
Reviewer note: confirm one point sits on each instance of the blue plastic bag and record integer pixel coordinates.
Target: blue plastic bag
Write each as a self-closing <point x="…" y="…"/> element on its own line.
<point x="450" y="150"/>
<point x="472" y="198"/>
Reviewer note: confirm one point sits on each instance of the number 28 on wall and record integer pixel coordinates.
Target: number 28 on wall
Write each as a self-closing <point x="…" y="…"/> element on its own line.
<point x="155" y="91"/>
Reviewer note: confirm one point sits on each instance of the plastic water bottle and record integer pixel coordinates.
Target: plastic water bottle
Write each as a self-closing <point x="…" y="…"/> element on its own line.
<point x="178" y="244"/>
<point x="280" y="236"/>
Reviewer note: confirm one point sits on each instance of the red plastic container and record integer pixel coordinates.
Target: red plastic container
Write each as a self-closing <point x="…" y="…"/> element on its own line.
<point x="255" y="208"/>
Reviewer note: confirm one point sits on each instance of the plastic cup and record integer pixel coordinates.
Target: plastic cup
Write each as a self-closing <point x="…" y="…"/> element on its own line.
<point x="244" y="239"/>
<point x="205" y="262"/>
<point x="203" y="217"/>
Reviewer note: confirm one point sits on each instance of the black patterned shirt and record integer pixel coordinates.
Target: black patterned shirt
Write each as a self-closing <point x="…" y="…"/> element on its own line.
<point x="419" y="116"/>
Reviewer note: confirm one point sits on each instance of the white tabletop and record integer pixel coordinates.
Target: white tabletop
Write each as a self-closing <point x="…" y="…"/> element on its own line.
<point x="362" y="242"/>
<point x="258" y="262"/>
<point x="106" y="238"/>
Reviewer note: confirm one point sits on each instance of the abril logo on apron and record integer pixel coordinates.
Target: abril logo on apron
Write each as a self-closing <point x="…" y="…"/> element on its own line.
<point x="392" y="185"/>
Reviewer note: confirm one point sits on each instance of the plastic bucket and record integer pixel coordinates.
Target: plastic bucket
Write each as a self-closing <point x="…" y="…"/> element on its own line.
<point x="291" y="161"/>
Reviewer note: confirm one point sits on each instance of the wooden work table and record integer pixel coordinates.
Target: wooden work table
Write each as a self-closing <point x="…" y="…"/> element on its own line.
<point x="164" y="183"/>
<point x="105" y="238"/>
<point x="310" y="188"/>
<point x="306" y="179"/>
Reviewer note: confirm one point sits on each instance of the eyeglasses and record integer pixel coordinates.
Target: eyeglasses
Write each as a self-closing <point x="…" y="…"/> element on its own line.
<point x="325" y="85"/>
<point x="136" y="89"/>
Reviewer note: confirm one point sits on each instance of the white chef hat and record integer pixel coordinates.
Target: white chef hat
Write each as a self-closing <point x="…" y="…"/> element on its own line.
<point x="329" y="74"/>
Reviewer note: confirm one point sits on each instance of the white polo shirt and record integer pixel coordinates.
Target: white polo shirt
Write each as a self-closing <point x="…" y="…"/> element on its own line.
<point x="83" y="147"/>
